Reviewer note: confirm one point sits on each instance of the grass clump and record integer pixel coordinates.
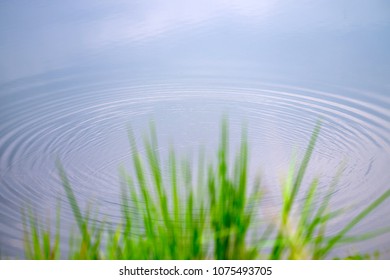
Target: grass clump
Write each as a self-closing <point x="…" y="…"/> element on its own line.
<point x="306" y="238"/>
<point x="168" y="213"/>
<point x="38" y="241"/>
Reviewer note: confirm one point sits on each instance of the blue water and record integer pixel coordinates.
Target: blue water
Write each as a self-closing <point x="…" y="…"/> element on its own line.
<point x="74" y="75"/>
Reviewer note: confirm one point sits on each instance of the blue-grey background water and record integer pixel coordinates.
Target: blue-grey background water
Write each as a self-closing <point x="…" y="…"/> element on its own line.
<point x="74" y="74"/>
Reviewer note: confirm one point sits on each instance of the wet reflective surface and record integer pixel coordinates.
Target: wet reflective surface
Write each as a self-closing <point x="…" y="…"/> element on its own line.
<point x="73" y="76"/>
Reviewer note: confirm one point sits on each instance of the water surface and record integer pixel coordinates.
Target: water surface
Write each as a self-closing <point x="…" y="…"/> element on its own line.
<point x="74" y="75"/>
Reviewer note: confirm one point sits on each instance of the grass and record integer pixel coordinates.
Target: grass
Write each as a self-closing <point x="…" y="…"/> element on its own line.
<point x="170" y="213"/>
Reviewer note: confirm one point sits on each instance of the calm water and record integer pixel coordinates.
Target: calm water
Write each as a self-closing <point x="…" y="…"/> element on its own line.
<point x="73" y="75"/>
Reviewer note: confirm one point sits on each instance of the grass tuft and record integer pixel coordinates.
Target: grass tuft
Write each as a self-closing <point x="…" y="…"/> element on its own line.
<point x="170" y="213"/>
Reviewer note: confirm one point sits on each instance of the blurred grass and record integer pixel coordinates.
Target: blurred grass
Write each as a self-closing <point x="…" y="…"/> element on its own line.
<point x="169" y="213"/>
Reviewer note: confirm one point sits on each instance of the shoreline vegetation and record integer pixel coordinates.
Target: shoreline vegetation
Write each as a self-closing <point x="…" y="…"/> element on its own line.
<point x="170" y="213"/>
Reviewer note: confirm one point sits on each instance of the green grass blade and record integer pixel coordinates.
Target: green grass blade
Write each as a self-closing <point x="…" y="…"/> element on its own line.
<point x="81" y="221"/>
<point x="303" y="166"/>
<point x="331" y="243"/>
<point x="280" y="241"/>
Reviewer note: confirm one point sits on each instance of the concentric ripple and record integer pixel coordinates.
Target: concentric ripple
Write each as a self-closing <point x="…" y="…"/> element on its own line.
<point x="84" y="124"/>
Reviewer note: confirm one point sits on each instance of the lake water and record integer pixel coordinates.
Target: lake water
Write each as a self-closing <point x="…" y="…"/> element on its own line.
<point x="74" y="75"/>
